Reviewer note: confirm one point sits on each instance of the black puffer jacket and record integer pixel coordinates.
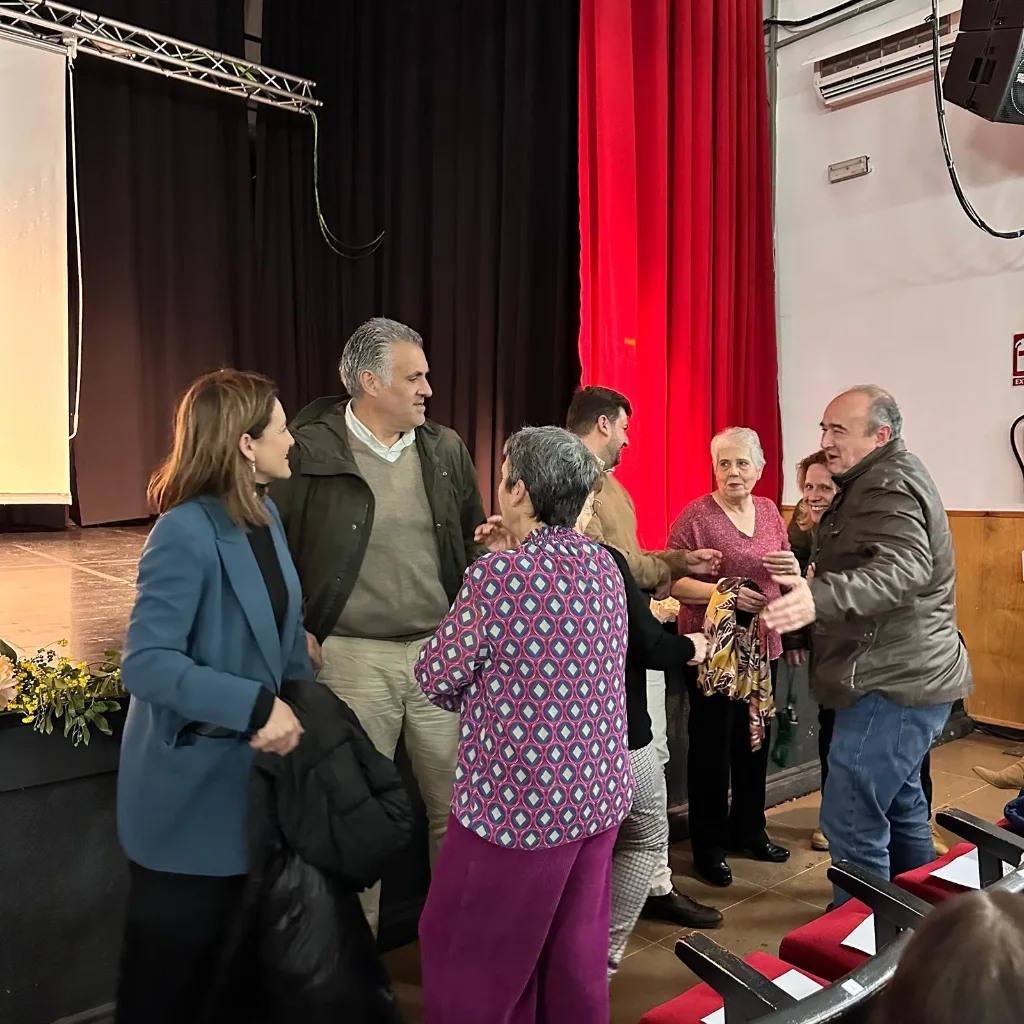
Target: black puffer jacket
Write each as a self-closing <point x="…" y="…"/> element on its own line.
<point x="337" y="803"/>
<point x="324" y="821"/>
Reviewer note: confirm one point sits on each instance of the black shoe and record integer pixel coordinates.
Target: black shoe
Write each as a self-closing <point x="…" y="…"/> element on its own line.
<point x="764" y="849"/>
<point x="714" y="869"/>
<point x="676" y="908"/>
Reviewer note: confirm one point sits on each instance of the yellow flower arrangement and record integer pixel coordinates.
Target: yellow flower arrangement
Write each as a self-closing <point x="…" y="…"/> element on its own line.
<point x="48" y="687"/>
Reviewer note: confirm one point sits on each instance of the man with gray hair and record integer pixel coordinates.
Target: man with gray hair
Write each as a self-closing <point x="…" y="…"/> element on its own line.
<point x="885" y="651"/>
<point x="380" y="513"/>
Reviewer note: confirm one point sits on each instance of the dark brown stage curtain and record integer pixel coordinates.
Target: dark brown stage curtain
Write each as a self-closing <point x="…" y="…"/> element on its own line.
<point x="167" y="234"/>
<point x="452" y="125"/>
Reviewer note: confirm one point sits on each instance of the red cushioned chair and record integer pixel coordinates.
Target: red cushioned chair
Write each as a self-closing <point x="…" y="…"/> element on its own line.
<point x="699" y="1001"/>
<point x="995" y="845"/>
<point x="924" y="886"/>
<point x="817" y="947"/>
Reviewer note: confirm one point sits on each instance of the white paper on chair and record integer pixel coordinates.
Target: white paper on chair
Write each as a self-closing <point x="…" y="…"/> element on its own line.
<point x="965" y="871"/>
<point x="798" y="985"/>
<point x="862" y="938"/>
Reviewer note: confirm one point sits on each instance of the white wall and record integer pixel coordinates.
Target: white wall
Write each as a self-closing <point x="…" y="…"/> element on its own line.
<point x="884" y="280"/>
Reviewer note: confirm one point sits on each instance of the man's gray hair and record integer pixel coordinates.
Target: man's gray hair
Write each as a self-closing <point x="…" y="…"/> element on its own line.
<point x="369" y="349"/>
<point x="557" y="470"/>
<point x="884" y="411"/>
<point x="743" y="436"/>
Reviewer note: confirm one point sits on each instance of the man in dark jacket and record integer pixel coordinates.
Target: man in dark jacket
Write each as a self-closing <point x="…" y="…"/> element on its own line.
<point x="380" y="513"/>
<point x="885" y="653"/>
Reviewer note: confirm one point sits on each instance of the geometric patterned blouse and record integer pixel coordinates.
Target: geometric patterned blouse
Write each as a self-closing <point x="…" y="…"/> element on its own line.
<point x="532" y="655"/>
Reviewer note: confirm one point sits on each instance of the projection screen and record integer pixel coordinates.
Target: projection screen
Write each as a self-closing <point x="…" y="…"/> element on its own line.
<point x="34" y="388"/>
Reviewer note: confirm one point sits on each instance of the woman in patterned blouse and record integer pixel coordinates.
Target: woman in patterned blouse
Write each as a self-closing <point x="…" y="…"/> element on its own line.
<point x="532" y="657"/>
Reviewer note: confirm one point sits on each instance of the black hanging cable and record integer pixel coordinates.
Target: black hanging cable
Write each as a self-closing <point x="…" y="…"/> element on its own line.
<point x="1013" y="442"/>
<point x="349" y="252"/>
<point x="811" y="18"/>
<point x="940" y="110"/>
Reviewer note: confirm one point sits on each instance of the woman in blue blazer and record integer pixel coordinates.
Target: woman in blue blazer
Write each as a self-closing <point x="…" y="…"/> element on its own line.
<point x="215" y="630"/>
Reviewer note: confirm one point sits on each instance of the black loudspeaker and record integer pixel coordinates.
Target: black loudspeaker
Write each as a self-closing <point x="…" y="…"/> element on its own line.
<point x="985" y="74"/>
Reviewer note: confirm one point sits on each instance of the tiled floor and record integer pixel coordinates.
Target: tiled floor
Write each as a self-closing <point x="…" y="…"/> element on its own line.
<point x="79" y="585"/>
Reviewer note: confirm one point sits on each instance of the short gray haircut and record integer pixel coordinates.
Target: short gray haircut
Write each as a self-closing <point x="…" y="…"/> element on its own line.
<point x="556" y="468"/>
<point x="884" y="411"/>
<point x="369" y="349"/>
<point x="742" y="436"/>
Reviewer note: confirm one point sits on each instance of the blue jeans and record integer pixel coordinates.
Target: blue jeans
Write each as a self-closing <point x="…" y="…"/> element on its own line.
<point x="873" y="810"/>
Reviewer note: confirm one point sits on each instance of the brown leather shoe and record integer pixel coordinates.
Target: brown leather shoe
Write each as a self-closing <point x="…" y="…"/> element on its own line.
<point x="1011" y="777"/>
<point x="941" y="849"/>
<point x="819" y="841"/>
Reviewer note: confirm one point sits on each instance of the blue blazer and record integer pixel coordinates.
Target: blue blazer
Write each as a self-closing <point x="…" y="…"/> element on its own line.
<point x="202" y="642"/>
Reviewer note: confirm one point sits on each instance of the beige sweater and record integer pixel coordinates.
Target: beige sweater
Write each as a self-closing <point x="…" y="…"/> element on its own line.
<point x="399" y="594"/>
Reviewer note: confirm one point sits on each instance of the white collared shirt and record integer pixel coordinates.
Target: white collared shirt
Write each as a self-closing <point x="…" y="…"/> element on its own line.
<point x="364" y="434"/>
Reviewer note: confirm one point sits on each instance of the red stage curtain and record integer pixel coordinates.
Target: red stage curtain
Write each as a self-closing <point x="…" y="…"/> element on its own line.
<point x="677" y="280"/>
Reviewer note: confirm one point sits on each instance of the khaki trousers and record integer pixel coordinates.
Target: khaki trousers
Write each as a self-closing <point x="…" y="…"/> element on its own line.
<point x="375" y="679"/>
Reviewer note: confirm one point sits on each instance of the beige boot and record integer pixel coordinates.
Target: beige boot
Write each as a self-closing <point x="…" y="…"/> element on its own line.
<point x="1011" y="777"/>
<point x="819" y="841"/>
<point x="941" y="849"/>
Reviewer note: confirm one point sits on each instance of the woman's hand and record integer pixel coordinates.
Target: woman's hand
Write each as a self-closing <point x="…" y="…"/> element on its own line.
<point x="796" y="657"/>
<point x="316" y="653"/>
<point x="781" y="563"/>
<point x="282" y="732"/>
<point x="751" y="601"/>
<point x="494" y="535"/>
<point x="700" y="648"/>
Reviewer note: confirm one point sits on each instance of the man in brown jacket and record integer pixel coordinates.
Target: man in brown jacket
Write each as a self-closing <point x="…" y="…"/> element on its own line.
<point x="600" y="418"/>
<point x="885" y="652"/>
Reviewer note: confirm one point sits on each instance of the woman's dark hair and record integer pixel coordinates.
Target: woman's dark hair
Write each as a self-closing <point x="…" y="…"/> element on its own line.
<point x="966" y="963"/>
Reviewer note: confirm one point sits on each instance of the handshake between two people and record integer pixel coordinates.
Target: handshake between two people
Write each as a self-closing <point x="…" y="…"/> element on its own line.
<point x="788" y="613"/>
<point x="784" y="570"/>
<point x="494" y="535"/>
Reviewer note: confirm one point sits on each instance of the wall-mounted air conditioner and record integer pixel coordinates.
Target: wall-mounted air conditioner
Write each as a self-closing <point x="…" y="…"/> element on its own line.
<point x="884" y="64"/>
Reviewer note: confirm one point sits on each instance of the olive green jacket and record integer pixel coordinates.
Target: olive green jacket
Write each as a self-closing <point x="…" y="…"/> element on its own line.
<point x="885" y="575"/>
<point x="327" y="508"/>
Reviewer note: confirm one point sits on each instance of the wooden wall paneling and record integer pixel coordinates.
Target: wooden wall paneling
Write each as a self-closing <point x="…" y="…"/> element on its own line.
<point x="990" y="607"/>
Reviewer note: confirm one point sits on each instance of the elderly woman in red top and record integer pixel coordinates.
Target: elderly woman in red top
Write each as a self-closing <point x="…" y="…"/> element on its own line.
<point x="751" y="534"/>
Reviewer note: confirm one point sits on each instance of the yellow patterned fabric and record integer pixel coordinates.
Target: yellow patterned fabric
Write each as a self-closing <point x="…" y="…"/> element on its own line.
<point x="737" y="664"/>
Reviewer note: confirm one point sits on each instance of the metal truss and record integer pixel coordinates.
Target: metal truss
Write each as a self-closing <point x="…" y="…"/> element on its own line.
<point x="83" y="32"/>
